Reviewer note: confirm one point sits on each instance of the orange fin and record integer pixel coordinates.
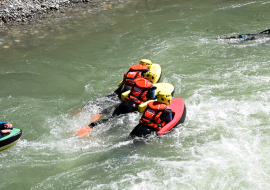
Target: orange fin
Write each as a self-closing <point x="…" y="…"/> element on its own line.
<point x="78" y="111"/>
<point x="83" y="132"/>
<point x="96" y="117"/>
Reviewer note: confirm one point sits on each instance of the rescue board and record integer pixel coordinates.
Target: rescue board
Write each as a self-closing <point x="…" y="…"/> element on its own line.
<point x="179" y="115"/>
<point x="8" y="140"/>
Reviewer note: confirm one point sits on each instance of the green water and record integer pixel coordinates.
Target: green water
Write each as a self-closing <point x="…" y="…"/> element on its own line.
<point x="50" y="70"/>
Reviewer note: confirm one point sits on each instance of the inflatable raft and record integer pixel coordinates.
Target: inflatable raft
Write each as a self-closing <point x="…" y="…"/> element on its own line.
<point x="8" y="140"/>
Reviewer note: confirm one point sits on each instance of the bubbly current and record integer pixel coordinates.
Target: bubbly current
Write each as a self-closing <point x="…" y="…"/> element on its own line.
<point x="48" y="71"/>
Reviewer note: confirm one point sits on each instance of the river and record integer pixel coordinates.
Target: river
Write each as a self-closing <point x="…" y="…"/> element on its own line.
<point x="50" y="70"/>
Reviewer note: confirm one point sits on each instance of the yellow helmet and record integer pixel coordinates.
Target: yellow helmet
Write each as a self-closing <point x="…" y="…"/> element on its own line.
<point x="151" y="76"/>
<point x="146" y="62"/>
<point x="164" y="97"/>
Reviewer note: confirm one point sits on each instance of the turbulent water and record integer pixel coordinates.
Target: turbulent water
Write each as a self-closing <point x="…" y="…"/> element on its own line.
<point x="50" y="70"/>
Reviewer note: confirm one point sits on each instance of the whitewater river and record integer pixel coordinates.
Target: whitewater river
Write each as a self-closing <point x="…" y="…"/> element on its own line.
<point x="50" y="70"/>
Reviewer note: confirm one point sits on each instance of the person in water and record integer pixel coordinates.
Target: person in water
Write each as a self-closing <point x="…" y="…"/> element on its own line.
<point x="156" y="115"/>
<point x="135" y="71"/>
<point x="141" y="91"/>
<point x="250" y="36"/>
<point x="5" y="128"/>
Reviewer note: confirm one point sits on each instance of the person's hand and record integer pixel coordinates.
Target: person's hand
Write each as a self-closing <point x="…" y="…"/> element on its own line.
<point x="6" y="131"/>
<point x="8" y="125"/>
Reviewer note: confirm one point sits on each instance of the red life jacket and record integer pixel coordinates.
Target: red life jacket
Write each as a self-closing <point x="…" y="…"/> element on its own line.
<point x="135" y="71"/>
<point x="151" y="115"/>
<point x="139" y="90"/>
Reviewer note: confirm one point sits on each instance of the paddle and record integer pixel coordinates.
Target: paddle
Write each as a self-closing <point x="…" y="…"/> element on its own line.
<point x="265" y="32"/>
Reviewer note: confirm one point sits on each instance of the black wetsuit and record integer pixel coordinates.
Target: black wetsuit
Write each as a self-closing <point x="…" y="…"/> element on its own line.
<point x="123" y="88"/>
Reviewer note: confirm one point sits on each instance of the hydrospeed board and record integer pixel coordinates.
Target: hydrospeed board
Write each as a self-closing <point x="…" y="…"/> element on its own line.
<point x="157" y="70"/>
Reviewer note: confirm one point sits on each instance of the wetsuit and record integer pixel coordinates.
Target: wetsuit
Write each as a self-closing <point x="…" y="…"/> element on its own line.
<point x="117" y="93"/>
<point x="152" y="122"/>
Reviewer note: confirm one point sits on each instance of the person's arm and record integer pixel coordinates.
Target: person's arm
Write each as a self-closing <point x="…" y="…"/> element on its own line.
<point x="143" y="73"/>
<point x="169" y="118"/>
<point x="166" y="116"/>
<point x="8" y="125"/>
<point x="5" y="131"/>
<point x="152" y="93"/>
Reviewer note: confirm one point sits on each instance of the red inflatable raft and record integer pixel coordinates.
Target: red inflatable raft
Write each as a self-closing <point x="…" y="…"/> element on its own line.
<point x="179" y="115"/>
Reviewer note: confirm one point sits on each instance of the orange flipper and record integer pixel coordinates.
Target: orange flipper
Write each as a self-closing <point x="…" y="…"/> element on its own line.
<point x="83" y="132"/>
<point x="78" y="111"/>
<point x="96" y="117"/>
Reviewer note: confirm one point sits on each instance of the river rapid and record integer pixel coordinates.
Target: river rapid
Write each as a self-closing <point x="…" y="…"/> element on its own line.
<point x="50" y="70"/>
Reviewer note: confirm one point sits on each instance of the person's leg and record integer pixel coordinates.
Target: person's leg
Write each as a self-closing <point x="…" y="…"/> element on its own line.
<point x="131" y="107"/>
<point x="126" y="88"/>
<point x="141" y="131"/>
<point x="135" y="131"/>
<point x="118" y="92"/>
<point x="109" y="110"/>
<point x="114" y="95"/>
<point x="120" y="109"/>
<point x="125" y="107"/>
<point x="123" y="89"/>
<point x="145" y="130"/>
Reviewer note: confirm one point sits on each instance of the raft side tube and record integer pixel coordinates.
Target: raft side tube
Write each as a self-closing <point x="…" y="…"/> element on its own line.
<point x="10" y="139"/>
